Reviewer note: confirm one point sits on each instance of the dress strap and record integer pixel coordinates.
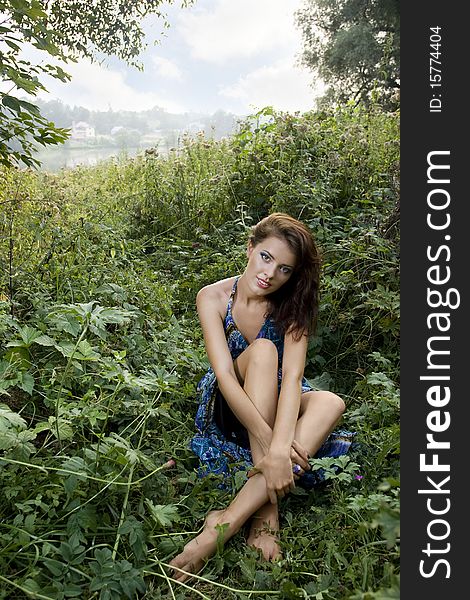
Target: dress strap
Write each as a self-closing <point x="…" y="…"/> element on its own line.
<point x="232" y="295"/>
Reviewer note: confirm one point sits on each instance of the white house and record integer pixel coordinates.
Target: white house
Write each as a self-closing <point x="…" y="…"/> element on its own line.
<point x="82" y="131"/>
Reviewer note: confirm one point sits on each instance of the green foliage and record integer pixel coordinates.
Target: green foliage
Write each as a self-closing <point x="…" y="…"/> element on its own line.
<point x="21" y="124"/>
<point x="106" y="26"/>
<point x="354" y="46"/>
<point x="188" y="193"/>
<point x="101" y="352"/>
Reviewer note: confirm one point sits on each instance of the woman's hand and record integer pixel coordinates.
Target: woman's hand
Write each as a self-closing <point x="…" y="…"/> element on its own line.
<point x="299" y="456"/>
<point x="277" y="471"/>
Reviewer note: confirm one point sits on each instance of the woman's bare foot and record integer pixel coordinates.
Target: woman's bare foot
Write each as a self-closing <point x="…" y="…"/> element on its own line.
<point x="265" y="539"/>
<point x="199" y="549"/>
<point x="264" y="531"/>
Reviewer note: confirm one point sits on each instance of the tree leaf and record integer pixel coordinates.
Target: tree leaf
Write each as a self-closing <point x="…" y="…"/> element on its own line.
<point x="11" y="102"/>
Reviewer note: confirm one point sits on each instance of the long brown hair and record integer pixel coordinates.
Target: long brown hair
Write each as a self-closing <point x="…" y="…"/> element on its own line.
<point x="294" y="306"/>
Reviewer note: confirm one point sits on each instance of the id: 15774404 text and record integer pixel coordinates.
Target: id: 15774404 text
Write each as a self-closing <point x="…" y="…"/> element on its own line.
<point x="435" y="69"/>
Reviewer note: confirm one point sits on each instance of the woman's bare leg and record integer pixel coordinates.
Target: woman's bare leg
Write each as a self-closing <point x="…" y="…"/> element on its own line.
<point x="319" y="413"/>
<point x="264" y="531"/>
<point x="249" y="499"/>
<point x="257" y="370"/>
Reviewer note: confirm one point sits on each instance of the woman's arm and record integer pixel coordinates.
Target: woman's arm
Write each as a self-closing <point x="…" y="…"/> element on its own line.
<point x="208" y="308"/>
<point x="276" y="465"/>
<point x="293" y="365"/>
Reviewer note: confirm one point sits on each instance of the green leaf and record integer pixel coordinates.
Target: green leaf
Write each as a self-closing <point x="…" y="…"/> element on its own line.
<point x="27" y="383"/>
<point x="32" y="586"/>
<point x="61" y="428"/>
<point x="66" y="348"/>
<point x="164" y="514"/>
<point x="11" y="102"/>
<point x="8" y="439"/>
<point x="240" y="478"/>
<point x="10" y="419"/>
<point x="81" y="352"/>
<point x="66" y="322"/>
<point x="71" y="590"/>
<point x="86" y="352"/>
<point x="58" y="73"/>
<point x="12" y="45"/>
<point x="45" y="340"/>
<point x="28" y="336"/>
<point x="20" y="6"/>
<point x="76" y="464"/>
<point x="55" y="567"/>
<point x="321" y="382"/>
<point x="36" y="12"/>
<point x="19" y="359"/>
<point x="380" y="379"/>
<point x="389" y="522"/>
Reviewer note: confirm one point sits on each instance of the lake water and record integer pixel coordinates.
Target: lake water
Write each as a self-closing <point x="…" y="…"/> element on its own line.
<point x="55" y="159"/>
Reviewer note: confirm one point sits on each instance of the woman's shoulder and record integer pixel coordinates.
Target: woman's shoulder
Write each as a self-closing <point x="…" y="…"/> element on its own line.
<point x="217" y="292"/>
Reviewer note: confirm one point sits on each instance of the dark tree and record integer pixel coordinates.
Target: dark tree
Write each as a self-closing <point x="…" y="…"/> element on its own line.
<point x="354" y="47"/>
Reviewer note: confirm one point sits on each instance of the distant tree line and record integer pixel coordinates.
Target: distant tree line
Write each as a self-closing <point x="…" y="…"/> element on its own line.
<point x="216" y="125"/>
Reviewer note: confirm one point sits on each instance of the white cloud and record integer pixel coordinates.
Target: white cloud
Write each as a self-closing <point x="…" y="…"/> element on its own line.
<point x="239" y="35"/>
<point x="239" y="29"/>
<point x="99" y="88"/>
<point x="280" y="85"/>
<point x="167" y="68"/>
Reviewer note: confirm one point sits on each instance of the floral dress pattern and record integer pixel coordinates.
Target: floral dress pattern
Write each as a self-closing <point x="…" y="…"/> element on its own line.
<point x="220" y="455"/>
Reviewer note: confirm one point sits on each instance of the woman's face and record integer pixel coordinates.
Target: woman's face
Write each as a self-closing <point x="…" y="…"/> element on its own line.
<point x="270" y="264"/>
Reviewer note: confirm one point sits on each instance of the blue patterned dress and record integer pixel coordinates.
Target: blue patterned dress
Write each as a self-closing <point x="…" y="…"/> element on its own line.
<point x="224" y="454"/>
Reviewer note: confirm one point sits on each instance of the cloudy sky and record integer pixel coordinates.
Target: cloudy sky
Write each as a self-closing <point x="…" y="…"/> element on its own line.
<point x="233" y="55"/>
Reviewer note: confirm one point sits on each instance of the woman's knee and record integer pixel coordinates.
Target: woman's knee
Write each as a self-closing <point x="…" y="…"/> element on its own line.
<point x="337" y="403"/>
<point x="329" y="401"/>
<point x="263" y="352"/>
<point x="260" y="355"/>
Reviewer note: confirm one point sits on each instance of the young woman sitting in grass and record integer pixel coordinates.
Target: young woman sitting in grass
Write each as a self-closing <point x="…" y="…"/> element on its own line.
<point x="257" y="411"/>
